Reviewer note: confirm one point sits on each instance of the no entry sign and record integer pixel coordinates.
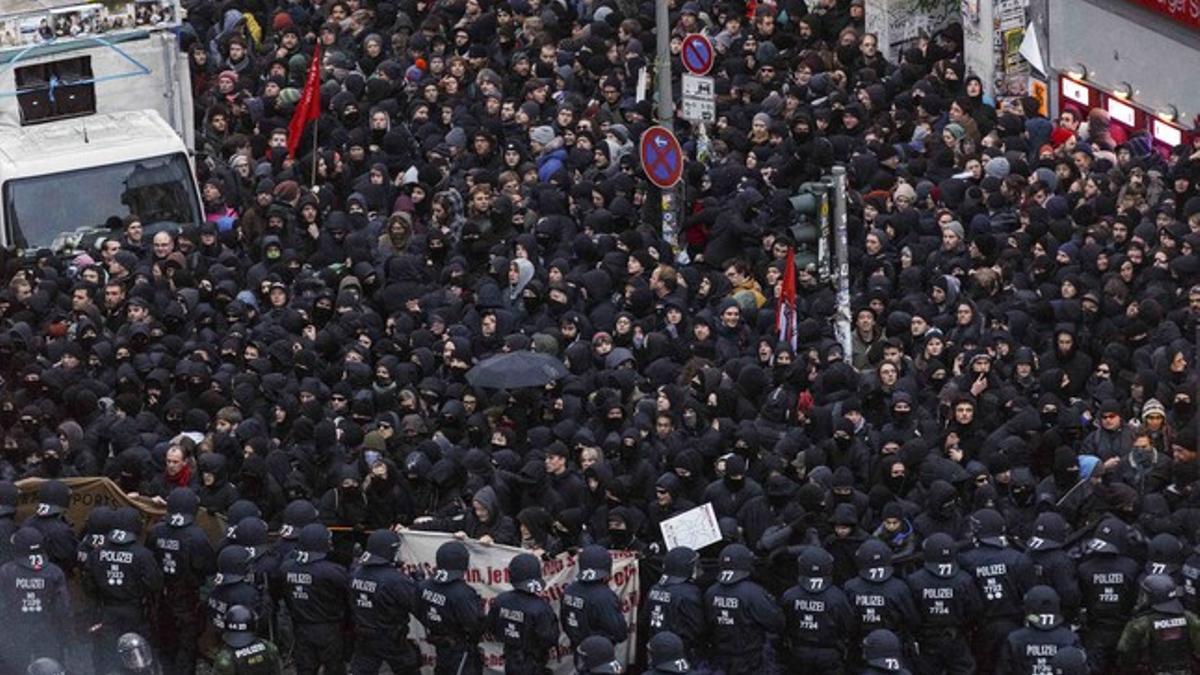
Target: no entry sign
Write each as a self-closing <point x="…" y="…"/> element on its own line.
<point x="662" y="157"/>
<point x="697" y="54"/>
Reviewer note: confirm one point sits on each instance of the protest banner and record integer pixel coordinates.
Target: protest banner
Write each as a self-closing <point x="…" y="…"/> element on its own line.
<point x="488" y="575"/>
<point x="88" y="493"/>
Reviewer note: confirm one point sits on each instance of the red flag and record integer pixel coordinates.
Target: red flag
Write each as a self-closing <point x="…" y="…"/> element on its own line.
<point x="308" y="108"/>
<point x="751" y="9"/>
<point x="785" y="307"/>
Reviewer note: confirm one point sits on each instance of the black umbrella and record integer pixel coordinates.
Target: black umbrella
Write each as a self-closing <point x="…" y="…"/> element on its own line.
<point x="516" y="370"/>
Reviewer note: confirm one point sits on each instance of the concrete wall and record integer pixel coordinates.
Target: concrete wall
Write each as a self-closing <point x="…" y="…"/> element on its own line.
<point x="1119" y="41"/>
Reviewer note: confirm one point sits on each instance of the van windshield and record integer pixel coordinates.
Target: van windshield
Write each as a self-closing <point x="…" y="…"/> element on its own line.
<point x="159" y="190"/>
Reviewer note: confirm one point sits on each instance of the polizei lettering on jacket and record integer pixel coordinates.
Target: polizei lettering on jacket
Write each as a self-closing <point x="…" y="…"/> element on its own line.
<point x="124" y="557"/>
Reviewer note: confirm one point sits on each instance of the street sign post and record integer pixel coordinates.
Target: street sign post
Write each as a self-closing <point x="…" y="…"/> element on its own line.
<point x="699" y="99"/>
<point x="697" y="54"/>
<point x="662" y="157"/>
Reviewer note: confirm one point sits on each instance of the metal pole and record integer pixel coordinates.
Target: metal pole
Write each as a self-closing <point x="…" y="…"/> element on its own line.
<point x="666" y="115"/>
<point x="841" y="248"/>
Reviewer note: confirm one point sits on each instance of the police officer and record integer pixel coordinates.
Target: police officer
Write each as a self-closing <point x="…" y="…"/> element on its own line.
<point x="878" y="598"/>
<point x="315" y="592"/>
<point x="187" y="560"/>
<point x="244" y="652"/>
<point x="676" y="603"/>
<point x="1003" y="575"/>
<point x="382" y="599"/>
<point x="948" y="603"/>
<point x="818" y="615"/>
<point x="589" y="606"/>
<point x="1108" y="583"/>
<point x="596" y="655"/>
<point x="1190" y="571"/>
<point x="522" y="621"/>
<point x="34" y="602"/>
<point x="666" y="654"/>
<point x="296" y="515"/>
<point x="251" y="534"/>
<point x="125" y="577"/>
<point x="136" y="656"/>
<point x="8" y="524"/>
<point x="60" y="542"/>
<point x="1052" y="566"/>
<point x="1028" y="650"/>
<point x="452" y="613"/>
<point x="99" y="523"/>
<point x="882" y="653"/>
<point x="1163" y="635"/>
<point x="231" y="585"/>
<point x="1164" y="555"/>
<point x="739" y="614"/>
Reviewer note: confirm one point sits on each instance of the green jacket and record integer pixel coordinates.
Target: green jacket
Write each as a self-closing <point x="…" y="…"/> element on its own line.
<point x="260" y="657"/>
<point x="1163" y="642"/>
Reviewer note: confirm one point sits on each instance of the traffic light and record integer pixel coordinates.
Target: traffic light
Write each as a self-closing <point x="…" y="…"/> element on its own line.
<point x="811" y="226"/>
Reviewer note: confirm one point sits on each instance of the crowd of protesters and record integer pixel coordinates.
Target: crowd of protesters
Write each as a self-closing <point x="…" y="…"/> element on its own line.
<point x="1001" y="476"/>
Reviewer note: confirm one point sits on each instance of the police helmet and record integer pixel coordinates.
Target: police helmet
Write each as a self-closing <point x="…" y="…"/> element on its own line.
<point x="1070" y="661"/>
<point x="53" y="498"/>
<point x="297" y="514"/>
<point x="233" y="565"/>
<point x="881" y="649"/>
<point x="525" y="573"/>
<point x="989" y="527"/>
<point x="239" y="627"/>
<point x="182" y="505"/>
<point x="814" y="567"/>
<point x="736" y="563"/>
<point x="1160" y="593"/>
<point x="595" y="563"/>
<point x="1042" y="608"/>
<point x="939" y="550"/>
<point x="1049" y="532"/>
<point x="874" y="560"/>
<point x="315" y="541"/>
<point x="135" y="652"/>
<point x="45" y="666"/>
<point x="452" y="561"/>
<point x="679" y="565"/>
<point x="382" y="548"/>
<point x="596" y="655"/>
<point x="666" y="653"/>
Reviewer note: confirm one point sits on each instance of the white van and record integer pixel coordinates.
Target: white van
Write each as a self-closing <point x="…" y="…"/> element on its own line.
<point x="95" y="121"/>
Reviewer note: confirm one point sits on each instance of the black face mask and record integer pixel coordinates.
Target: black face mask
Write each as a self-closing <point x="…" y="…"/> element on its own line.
<point x="842" y="441"/>
<point x="321" y="315"/>
<point x="619" y="538"/>
<point x="734" y="484"/>
<point x="1049" y="418"/>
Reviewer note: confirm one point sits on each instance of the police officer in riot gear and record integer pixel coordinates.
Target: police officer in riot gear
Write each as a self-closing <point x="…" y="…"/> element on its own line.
<point x="231" y="585"/>
<point x="1163" y="635"/>
<point x="315" y="592"/>
<point x="878" y="598"/>
<point x="1108" y="583"/>
<point x="136" y="656"/>
<point x="244" y="652"/>
<point x="818" y="615"/>
<point x="452" y="613"/>
<point x="34" y="603"/>
<point x="676" y="603"/>
<point x="1029" y="649"/>
<point x="589" y="606"/>
<point x="1052" y="566"/>
<point x="666" y="654"/>
<point x="1164" y="555"/>
<point x="948" y="603"/>
<point x="251" y="534"/>
<point x="882" y="653"/>
<point x="523" y="621"/>
<point x="382" y="600"/>
<point x="739" y="614"/>
<point x="596" y="655"/>
<point x="187" y="560"/>
<point x="125" y="577"/>
<point x="60" y="542"/>
<point x="1003" y="575"/>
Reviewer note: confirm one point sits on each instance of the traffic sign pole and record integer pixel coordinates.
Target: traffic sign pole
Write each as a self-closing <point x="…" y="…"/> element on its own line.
<point x="666" y="115"/>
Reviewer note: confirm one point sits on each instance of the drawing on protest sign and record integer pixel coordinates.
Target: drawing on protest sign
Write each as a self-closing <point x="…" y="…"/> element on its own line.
<point x="488" y="575"/>
<point x="694" y="528"/>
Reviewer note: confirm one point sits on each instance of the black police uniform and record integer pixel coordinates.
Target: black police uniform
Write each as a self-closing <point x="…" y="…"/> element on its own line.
<point x="316" y="596"/>
<point x="34" y="602"/>
<point x="187" y="560"/>
<point x="1003" y="575"/>
<point x="589" y="606"/>
<point x="948" y="603"/>
<point x="676" y="603"/>
<point x="452" y="613"/>
<point x="879" y="599"/>
<point x="523" y="621"/>
<point x="60" y="541"/>
<point x="382" y="599"/>
<point x="739" y="614"/>
<point x="125" y="577"/>
<point x="1052" y="566"/>
<point x="1190" y="571"/>
<point x="819" y="617"/>
<point x="231" y="585"/>
<point x="1108" y="583"/>
<point x="1029" y="650"/>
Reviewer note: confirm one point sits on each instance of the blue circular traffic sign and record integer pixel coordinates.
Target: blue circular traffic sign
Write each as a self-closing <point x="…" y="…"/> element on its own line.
<point x="697" y="54"/>
<point x="662" y="157"/>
